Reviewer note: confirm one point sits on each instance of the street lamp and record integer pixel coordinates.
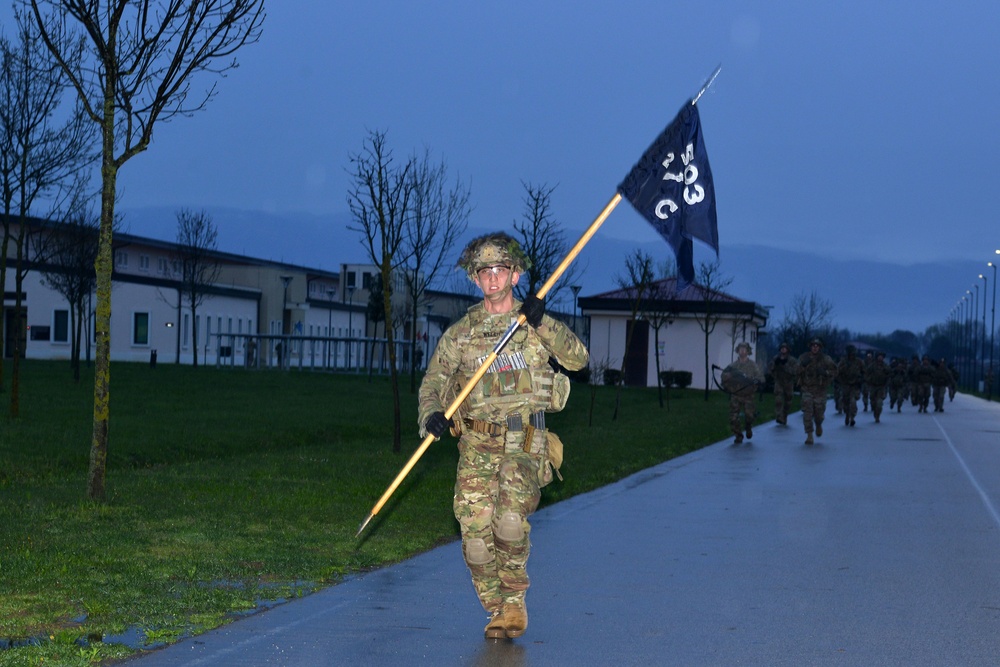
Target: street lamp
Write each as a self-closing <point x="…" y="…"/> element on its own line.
<point x="982" y="345"/>
<point x="350" y="323"/>
<point x="329" y="324"/>
<point x="427" y="356"/>
<point x="967" y="337"/>
<point x="993" y="325"/>
<point x="576" y="294"/>
<point x="975" y="333"/>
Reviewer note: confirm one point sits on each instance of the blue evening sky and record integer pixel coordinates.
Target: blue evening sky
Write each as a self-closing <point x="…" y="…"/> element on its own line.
<point x="856" y="129"/>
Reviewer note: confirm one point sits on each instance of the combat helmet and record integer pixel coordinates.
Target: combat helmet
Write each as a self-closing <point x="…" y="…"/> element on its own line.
<point x="490" y="250"/>
<point x="745" y="344"/>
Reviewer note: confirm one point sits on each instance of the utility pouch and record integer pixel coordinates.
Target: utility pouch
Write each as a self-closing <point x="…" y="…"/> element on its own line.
<point x="560" y="393"/>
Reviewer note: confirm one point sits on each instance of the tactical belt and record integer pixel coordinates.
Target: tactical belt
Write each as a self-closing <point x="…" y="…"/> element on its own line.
<point x="536" y="420"/>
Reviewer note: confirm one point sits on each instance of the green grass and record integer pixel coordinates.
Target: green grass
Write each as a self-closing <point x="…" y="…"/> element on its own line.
<point x="228" y="488"/>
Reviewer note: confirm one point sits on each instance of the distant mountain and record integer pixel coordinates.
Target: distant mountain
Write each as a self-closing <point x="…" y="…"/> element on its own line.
<point x="868" y="296"/>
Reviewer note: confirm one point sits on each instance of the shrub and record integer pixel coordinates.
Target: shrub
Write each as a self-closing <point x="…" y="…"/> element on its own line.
<point x="682" y="379"/>
<point x="612" y="377"/>
<point x="666" y="378"/>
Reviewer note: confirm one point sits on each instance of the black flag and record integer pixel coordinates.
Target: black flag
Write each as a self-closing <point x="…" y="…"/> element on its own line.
<point x="671" y="186"/>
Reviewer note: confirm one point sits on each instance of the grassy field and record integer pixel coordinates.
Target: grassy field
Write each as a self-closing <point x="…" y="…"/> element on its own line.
<point x="230" y="490"/>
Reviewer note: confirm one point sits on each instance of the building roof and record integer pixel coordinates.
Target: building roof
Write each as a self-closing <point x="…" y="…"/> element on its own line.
<point x="665" y="297"/>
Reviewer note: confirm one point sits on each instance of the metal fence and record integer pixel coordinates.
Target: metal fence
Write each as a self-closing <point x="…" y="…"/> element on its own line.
<point x="315" y="353"/>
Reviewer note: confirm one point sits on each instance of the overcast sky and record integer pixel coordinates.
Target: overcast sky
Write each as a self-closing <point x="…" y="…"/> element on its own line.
<point x="855" y="129"/>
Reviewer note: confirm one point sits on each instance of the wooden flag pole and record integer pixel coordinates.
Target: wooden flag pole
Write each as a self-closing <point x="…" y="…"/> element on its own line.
<point x="478" y="375"/>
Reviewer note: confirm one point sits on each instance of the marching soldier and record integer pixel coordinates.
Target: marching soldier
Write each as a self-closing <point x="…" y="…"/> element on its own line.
<point x="741" y="379"/>
<point x="783" y="369"/>
<point x="850" y="375"/>
<point x="816" y="371"/>
<point x="504" y="446"/>
<point x="877" y="379"/>
<point x="941" y="380"/>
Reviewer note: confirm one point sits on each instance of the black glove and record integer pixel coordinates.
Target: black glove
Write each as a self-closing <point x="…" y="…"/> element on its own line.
<point x="533" y="308"/>
<point x="437" y="424"/>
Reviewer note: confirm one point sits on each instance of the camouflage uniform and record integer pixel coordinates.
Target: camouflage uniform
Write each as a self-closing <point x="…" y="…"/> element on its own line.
<point x="784" y="369"/>
<point x="741" y="379"/>
<point x="865" y="389"/>
<point x="850" y="375"/>
<point x="941" y="380"/>
<point x="877" y="378"/>
<point x="816" y="371"/>
<point x="497" y="486"/>
<point x="897" y="385"/>
<point x="923" y="375"/>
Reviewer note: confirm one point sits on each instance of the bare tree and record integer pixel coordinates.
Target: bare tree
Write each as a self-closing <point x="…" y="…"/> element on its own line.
<point x="543" y="242"/>
<point x="660" y="310"/>
<point x="636" y="284"/>
<point x="72" y="251"/>
<point x="379" y="200"/>
<point x="197" y="241"/>
<point x="711" y="283"/>
<point x="42" y="156"/>
<point x="806" y="316"/>
<point x="141" y="57"/>
<point x="438" y="216"/>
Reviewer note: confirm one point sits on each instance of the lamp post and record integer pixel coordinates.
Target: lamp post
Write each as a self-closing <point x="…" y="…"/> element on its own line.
<point x="966" y="336"/>
<point x="975" y="334"/>
<point x="427" y="355"/>
<point x="350" y="322"/>
<point x="982" y="344"/>
<point x="283" y="351"/>
<point x="993" y="326"/>
<point x="576" y="295"/>
<point x="329" y="324"/>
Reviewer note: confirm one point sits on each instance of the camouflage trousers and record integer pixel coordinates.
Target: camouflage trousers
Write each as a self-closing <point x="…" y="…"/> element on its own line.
<point x="922" y="395"/>
<point x="849" y="400"/>
<point x="496" y="490"/>
<point x="877" y="396"/>
<point x="742" y="412"/>
<point x="813" y="408"/>
<point x="783" y="392"/>
<point x="939" y="394"/>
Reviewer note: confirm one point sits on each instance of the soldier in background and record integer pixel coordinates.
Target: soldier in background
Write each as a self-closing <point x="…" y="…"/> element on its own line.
<point x="816" y="371"/>
<point x="924" y="375"/>
<point x="741" y="379"/>
<point x="784" y="369"/>
<point x="503" y="449"/>
<point x="913" y="382"/>
<point x="850" y="375"/>
<point x="869" y="359"/>
<point x="953" y="387"/>
<point x="941" y="380"/>
<point x="877" y="376"/>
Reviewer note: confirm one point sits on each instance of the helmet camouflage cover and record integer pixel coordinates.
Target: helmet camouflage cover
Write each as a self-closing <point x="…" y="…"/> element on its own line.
<point x="493" y="249"/>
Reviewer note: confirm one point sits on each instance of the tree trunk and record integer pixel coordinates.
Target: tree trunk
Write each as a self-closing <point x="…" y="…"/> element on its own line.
<point x="102" y="323"/>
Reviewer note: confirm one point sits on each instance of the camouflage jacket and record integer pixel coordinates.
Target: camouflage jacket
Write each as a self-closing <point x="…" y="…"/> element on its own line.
<point x="519" y="381"/>
<point x="850" y="372"/>
<point x="741" y="378"/>
<point x="877" y="374"/>
<point x="784" y="370"/>
<point x="816" y="372"/>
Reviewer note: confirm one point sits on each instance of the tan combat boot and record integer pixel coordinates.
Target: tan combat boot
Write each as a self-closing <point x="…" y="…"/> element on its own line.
<point x="819" y="429"/>
<point x="515" y="616"/>
<point x="496" y="629"/>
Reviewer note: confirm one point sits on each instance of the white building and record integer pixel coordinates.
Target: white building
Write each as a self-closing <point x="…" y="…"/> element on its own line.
<point x="681" y="337"/>
<point x="255" y="310"/>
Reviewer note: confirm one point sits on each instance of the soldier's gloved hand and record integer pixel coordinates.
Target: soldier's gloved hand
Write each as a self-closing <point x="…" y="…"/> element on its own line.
<point x="437" y="424"/>
<point x="533" y="308"/>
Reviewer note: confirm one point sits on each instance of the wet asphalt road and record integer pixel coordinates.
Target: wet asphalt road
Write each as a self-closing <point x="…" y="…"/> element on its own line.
<point x="880" y="545"/>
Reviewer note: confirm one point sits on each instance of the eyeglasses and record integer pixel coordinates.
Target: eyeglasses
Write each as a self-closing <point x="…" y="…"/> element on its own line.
<point x="500" y="271"/>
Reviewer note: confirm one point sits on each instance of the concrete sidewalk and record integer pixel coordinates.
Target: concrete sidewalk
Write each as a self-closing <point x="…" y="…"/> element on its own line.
<point x="880" y="545"/>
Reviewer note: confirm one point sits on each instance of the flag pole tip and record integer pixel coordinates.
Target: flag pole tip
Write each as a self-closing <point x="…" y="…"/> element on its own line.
<point x="363" y="525"/>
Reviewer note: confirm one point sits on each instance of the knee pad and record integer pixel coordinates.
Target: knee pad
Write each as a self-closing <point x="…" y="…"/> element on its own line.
<point x="510" y="528"/>
<point x="476" y="552"/>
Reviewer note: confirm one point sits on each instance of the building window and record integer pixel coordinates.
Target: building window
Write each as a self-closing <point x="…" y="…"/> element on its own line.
<point x="140" y="328"/>
<point x="352" y="280"/>
<point x="144" y="263"/>
<point x="60" y="326"/>
<point x="366" y="281"/>
<point x="121" y="259"/>
<point x="163" y="267"/>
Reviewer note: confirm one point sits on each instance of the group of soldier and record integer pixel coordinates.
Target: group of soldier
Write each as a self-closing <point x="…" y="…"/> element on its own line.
<point x="870" y="379"/>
